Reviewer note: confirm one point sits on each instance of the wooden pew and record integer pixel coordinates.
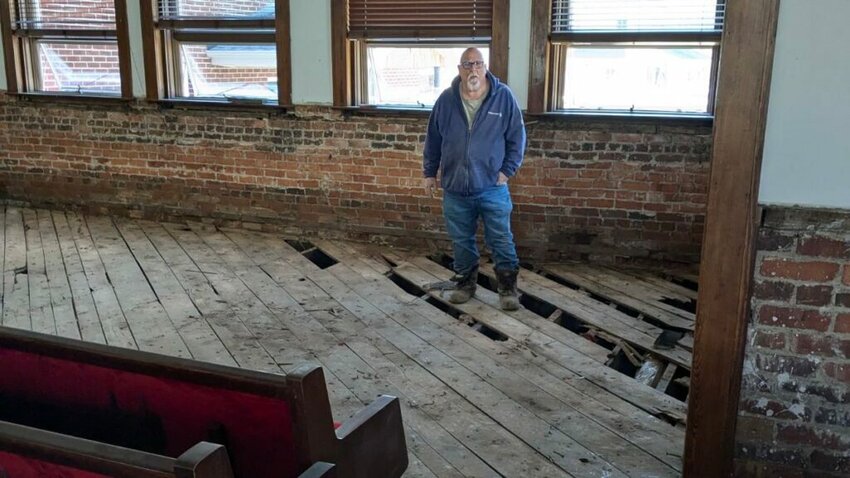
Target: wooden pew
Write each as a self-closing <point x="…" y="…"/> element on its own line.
<point x="152" y="412"/>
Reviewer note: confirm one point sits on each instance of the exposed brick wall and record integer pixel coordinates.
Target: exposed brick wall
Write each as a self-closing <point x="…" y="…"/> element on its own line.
<point x="604" y="190"/>
<point x="794" y="416"/>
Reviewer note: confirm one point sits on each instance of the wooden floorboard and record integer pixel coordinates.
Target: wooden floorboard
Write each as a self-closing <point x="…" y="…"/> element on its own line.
<point x="647" y="433"/>
<point x="536" y="401"/>
<point x="624" y="293"/>
<point x="16" y="296"/>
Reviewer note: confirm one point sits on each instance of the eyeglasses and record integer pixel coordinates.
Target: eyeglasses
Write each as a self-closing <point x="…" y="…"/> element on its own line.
<point x="468" y="65"/>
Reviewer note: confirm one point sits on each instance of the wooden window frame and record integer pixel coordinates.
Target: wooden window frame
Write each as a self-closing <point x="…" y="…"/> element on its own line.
<point x="548" y="52"/>
<point x="161" y="39"/>
<point x="21" y="77"/>
<point x="348" y="61"/>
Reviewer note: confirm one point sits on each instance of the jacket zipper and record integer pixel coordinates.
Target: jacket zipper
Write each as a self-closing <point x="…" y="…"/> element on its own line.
<point x="469" y="131"/>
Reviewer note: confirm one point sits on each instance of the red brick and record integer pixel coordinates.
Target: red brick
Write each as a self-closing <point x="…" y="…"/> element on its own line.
<point x="793" y="318"/>
<point x="823" y="247"/>
<point x="803" y="271"/>
<point x="838" y="371"/>
<point x="777" y="410"/>
<point x="836" y="463"/>
<point x="754" y="429"/>
<point x="797" y="366"/>
<point x="769" y="240"/>
<point x="824" y="346"/>
<point x="773" y="290"/>
<point x="842" y="324"/>
<point x="817" y="295"/>
<point x="770" y="340"/>
<point x="847" y="274"/>
<point x="759" y="469"/>
<point x="843" y="299"/>
<point x="806" y="436"/>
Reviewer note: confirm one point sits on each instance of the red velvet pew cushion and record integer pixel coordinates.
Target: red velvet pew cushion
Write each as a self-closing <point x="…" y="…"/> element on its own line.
<point x="258" y="429"/>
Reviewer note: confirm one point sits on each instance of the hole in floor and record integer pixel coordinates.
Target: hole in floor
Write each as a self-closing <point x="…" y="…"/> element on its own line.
<point x="299" y="246"/>
<point x="318" y="257"/>
<point x="686" y="305"/>
<point x="405" y="284"/>
<point x="417" y="291"/>
<point x="491" y="334"/>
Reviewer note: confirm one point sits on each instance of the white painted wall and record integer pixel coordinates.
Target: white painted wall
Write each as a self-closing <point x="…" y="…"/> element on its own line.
<point x="137" y="54"/>
<point x="3" y="85"/>
<point x="807" y="143"/>
<point x="519" y="49"/>
<point x="311" y="51"/>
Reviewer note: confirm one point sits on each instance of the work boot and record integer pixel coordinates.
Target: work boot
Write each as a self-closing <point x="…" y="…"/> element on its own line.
<point x="508" y="296"/>
<point x="465" y="288"/>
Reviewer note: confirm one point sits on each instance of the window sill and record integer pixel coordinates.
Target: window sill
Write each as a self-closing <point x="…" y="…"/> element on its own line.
<point x="385" y="111"/>
<point x="624" y="117"/>
<point x="183" y="103"/>
<point x="76" y="99"/>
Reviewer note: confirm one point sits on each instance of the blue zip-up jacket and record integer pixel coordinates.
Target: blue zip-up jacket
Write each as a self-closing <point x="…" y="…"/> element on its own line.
<point x="471" y="159"/>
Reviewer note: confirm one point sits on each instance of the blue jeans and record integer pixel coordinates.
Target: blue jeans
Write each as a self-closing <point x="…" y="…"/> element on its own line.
<point x="461" y="212"/>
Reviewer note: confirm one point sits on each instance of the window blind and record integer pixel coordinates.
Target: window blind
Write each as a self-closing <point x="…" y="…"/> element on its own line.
<point x="418" y="19"/>
<point x="636" y="16"/>
<point x="64" y="14"/>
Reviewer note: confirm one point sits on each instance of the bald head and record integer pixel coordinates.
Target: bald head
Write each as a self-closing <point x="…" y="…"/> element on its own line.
<point x="473" y="72"/>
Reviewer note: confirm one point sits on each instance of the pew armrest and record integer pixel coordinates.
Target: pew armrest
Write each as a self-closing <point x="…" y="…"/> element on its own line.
<point x="372" y="442"/>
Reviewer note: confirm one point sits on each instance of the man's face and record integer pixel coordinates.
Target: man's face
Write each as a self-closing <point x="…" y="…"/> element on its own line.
<point x="472" y="70"/>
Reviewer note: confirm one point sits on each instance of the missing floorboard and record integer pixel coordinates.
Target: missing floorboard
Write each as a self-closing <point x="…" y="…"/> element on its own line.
<point x="686" y="305"/>
<point x="319" y="257"/>
<point x="300" y="246"/>
<point x="417" y="291"/>
<point x="620" y="307"/>
<point x="312" y="253"/>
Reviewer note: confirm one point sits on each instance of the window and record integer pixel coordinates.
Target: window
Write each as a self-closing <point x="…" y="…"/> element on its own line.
<point x="628" y="56"/>
<point x="69" y="47"/>
<point x="231" y="51"/>
<point x="404" y="54"/>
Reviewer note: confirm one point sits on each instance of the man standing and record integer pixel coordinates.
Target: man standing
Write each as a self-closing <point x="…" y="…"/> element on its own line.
<point x="476" y="137"/>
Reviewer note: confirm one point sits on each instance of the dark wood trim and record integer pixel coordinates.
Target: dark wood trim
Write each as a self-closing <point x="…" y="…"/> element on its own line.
<point x="11" y="51"/>
<point x="612" y="37"/>
<point x="712" y="85"/>
<point x="212" y="36"/>
<point x="541" y="11"/>
<point x="284" y="52"/>
<point x="728" y="244"/>
<point x="109" y="34"/>
<point x="63" y="97"/>
<point x="216" y="23"/>
<point x="122" y="30"/>
<point x="416" y="34"/>
<point x="340" y="57"/>
<point x="154" y="78"/>
<point x="499" y="39"/>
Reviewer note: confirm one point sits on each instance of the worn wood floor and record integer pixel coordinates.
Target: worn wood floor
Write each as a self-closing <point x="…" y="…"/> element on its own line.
<point x="542" y="392"/>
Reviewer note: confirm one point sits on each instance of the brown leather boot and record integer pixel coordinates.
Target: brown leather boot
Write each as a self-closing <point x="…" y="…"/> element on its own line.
<point x="465" y="288"/>
<point x="508" y="296"/>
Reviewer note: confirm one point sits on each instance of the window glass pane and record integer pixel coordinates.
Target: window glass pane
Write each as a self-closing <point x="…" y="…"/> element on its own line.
<point x="232" y="70"/>
<point x="411" y="75"/>
<point x="669" y="79"/>
<point x="221" y="8"/>
<point x="631" y="15"/>
<point x="76" y="14"/>
<point x="79" y="67"/>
